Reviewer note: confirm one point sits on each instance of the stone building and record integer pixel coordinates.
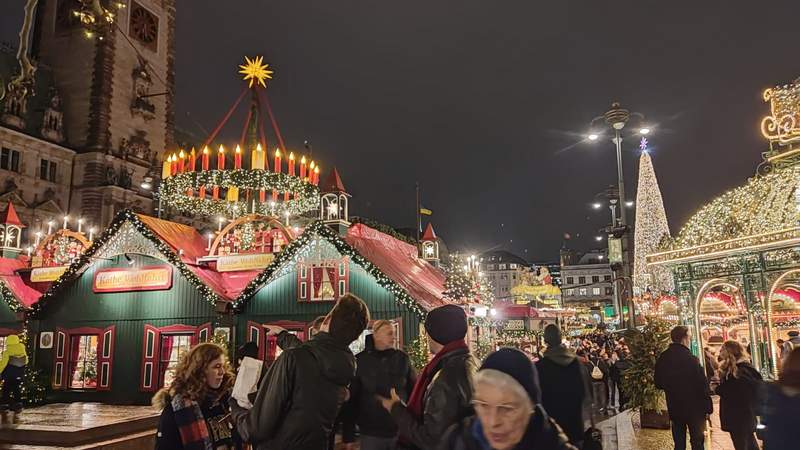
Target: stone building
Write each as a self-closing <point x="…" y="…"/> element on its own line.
<point x="87" y="140"/>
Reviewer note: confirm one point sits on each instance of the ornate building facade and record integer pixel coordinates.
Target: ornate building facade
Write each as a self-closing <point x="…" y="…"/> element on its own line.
<point x="87" y="139"/>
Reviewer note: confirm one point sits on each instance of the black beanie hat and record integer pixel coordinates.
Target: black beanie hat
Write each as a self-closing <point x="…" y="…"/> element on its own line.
<point x="552" y="335"/>
<point x="515" y="364"/>
<point x="446" y="324"/>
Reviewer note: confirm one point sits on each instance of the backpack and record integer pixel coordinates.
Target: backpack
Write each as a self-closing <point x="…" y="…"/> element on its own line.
<point x="597" y="374"/>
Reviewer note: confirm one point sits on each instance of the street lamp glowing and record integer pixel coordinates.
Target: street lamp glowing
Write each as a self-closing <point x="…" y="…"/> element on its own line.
<point x="629" y="204"/>
<point x="598" y="238"/>
<point x="597" y="205"/>
<point x="593" y="136"/>
<point x="644" y="131"/>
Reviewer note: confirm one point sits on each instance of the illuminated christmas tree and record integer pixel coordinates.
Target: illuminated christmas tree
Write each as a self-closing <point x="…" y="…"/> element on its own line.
<point x="651" y="227"/>
<point x="459" y="284"/>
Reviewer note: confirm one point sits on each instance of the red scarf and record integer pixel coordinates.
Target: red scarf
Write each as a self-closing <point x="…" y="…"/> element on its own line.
<point x="416" y="403"/>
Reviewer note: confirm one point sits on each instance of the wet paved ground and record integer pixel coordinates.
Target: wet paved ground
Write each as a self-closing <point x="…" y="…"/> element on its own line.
<point x="73" y="416"/>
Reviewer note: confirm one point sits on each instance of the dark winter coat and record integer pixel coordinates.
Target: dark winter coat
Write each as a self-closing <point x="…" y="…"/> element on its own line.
<point x="215" y="412"/>
<point x="618" y="370"/>
<point x="299" y="397"/>
<point x="738" y="399"/>
<point x="564" y="383"/>
<point x="679" y="374"/>
<point x="542" y="434"/>
<point x="447" y="401"/>
<point x="377" y="373"/>
<point x="780" y="416"/>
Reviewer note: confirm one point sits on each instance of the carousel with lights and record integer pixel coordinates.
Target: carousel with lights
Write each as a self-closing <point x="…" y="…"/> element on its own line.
<point x="736" y="263"/>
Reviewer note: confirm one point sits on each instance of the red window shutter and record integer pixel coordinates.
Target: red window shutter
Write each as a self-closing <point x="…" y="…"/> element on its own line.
<point x="203" y="333"/>
<point x="151" y="349"/>
<point x="303" y="285"/>
<point x="105" y="358"/>
<point x="343" y="277"/>
<point x="255" y="333"/>
<point x="60" y="358"/>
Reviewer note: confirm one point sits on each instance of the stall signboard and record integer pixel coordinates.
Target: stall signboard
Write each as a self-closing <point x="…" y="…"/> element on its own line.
<point x="149" y="278"/>
<point x="45" y="274"/>
<point x="253" y="261"/>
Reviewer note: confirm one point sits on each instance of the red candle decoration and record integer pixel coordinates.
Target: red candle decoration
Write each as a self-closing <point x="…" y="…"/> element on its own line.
<point x="286" y="196"/>
<point x="291" y="163"/>
<point x="221" y="158"/>
<point x="215" y="192"/>
<point x="202" y="193"/>
<point x="237" y="158"/>
<point x="316" y="175"/>
<point x="173" y="164"/>
<point x="311" y="172"/>
<point x="277" y="166"/>
<point x="303" y="168"/>
<point x="204" y="158"/>
<point x="181" y="162"/>
<point x="262" y="196"/>
<point x="274" y="195"/>
<point x="192" y="160"/>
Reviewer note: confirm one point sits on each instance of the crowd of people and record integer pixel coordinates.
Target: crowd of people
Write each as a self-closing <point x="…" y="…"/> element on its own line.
<point x="317" y="389"/>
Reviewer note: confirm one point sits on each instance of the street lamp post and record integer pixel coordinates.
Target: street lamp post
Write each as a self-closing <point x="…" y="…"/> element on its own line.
<point x="616" y="118"/>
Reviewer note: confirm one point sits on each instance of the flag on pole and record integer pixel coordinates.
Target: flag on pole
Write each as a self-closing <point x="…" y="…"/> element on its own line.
<point x="425" y="211"/>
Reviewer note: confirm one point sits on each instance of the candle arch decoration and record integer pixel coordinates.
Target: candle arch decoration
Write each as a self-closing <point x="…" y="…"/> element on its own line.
<point x="54" y="249"/>
<point x="285" y="189"/>
<point x="269" y="222"/>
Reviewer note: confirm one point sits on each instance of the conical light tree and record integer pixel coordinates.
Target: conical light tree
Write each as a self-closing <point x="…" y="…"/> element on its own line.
<point x="651" y="227"/>
<point x="459" y="284"/>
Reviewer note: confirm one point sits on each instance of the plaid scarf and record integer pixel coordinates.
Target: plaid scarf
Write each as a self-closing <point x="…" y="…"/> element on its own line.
<point x="191" y="424"/>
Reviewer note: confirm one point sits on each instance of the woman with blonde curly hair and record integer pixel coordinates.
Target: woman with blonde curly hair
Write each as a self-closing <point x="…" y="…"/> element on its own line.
<point x="194" y="408"/>
<point x="738" y="393"/>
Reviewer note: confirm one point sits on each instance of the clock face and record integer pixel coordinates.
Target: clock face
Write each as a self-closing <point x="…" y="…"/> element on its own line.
<point x="144" y="26"/>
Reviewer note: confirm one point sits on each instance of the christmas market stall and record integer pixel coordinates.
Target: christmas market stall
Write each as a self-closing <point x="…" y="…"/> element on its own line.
<point x="320" y="265"/>
<point x="737" y="260"/>
<point x="113" y="326"/>
<point x="522" y="326"/>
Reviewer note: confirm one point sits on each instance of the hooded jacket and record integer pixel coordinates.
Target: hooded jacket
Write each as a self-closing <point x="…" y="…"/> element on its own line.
<point x="14" y="357"/>
<point x="565" y="386"/>
<point x="299" y="397"/>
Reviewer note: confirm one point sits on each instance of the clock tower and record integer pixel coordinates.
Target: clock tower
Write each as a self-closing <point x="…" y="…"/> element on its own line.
<point x="117" y="83"/>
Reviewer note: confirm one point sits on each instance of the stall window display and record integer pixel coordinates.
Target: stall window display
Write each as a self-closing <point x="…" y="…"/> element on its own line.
<point x="83" y="362"/>
<point x="173" y="347"/>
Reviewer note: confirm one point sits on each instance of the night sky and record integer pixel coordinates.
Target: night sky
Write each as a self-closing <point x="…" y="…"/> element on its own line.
<point x="485" y="103"/>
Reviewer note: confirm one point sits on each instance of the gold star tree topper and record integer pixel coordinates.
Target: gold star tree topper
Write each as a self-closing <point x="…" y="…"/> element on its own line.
<point x="255" y="71"/>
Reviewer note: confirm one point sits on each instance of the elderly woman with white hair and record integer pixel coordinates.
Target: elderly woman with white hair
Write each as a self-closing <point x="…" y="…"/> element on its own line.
<point x="507" y="413"/>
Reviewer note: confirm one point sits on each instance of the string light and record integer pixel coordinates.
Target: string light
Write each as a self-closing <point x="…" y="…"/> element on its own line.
<point x="651" y="227"/>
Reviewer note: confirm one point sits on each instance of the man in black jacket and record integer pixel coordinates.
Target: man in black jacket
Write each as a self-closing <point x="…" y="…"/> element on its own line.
<point x="679" y="374"/>
<point x="300" y="395"/>
<point x="564" y="383"/>
<point x="442" y="394"/>
<point x="379" y="369"/>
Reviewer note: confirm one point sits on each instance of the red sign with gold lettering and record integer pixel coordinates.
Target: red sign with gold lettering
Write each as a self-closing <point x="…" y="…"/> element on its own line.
<point x="149" y="278"/>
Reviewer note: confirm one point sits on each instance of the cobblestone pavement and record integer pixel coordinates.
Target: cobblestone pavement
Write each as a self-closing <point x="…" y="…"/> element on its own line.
<point x="648" y="439"/>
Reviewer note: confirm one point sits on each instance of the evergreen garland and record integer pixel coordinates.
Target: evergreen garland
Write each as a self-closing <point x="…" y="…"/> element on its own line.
<point x="318" y="230"/>
<point x="639" y="380"/>
<point x="125" y="216"/>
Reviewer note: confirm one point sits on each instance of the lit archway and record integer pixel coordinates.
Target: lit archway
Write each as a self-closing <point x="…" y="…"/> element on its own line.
<point x="720" y="313"/>
<point x="789" y="281"/>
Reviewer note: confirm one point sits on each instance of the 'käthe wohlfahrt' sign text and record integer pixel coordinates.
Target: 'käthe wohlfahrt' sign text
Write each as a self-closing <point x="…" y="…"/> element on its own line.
<point x="45" y="274"/>
<point x="150" y="278"/>
<point x="255" y="261"/>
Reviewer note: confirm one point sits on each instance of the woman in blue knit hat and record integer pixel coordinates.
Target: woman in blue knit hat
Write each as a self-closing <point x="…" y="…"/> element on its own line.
<point x="507" y="413"/>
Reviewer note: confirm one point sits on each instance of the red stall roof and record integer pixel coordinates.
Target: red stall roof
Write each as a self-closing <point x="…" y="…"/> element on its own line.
<point x="8" y="275"/>
<point x="400" y="262"/>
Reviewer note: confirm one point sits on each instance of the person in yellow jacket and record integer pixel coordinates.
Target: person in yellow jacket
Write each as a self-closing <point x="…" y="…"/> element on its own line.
<point x="12" y="368"/>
